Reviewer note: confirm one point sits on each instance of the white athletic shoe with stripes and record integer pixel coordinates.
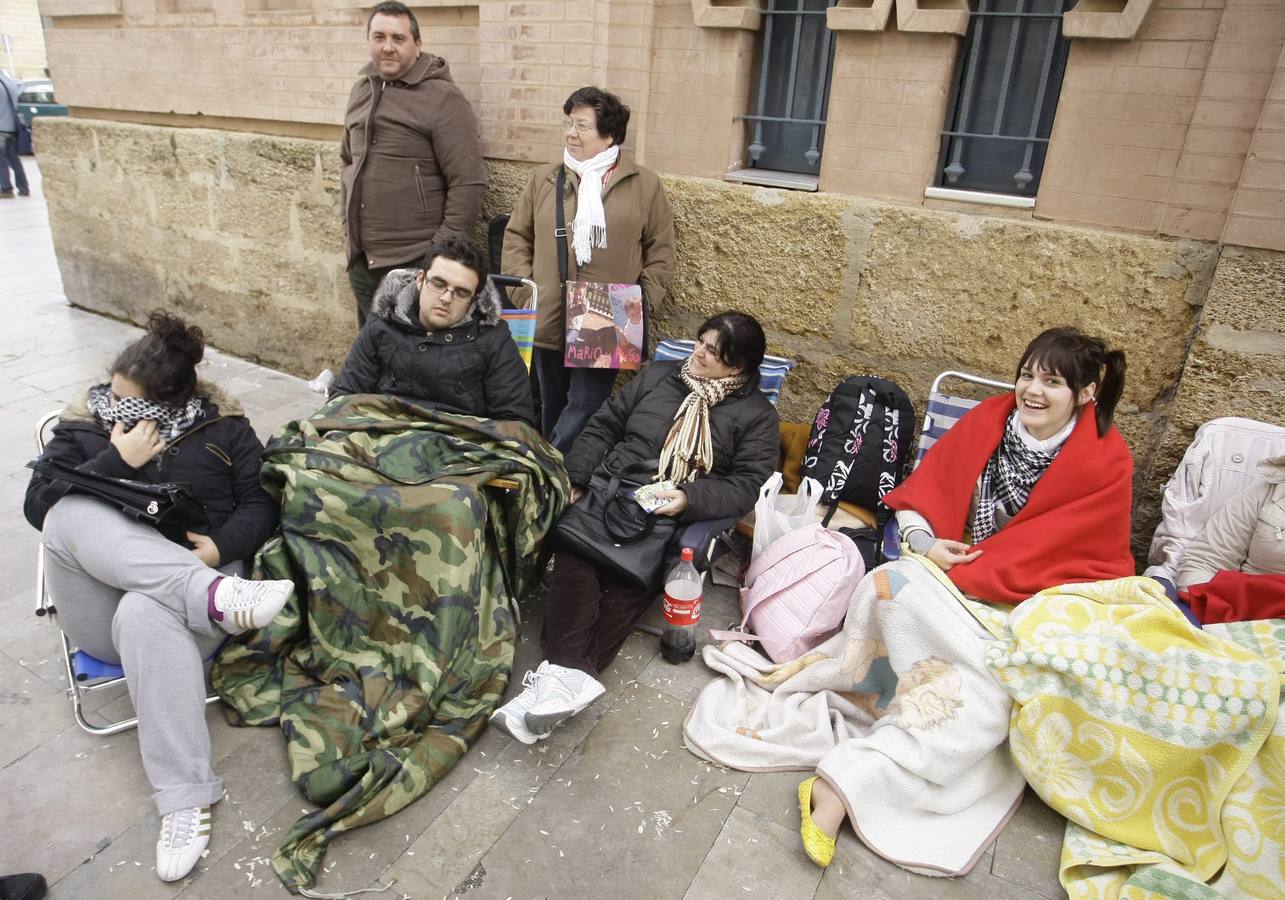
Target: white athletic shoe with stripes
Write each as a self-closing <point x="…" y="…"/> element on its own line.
<point x="242" y="605"/>
<point x="185" y="833"/>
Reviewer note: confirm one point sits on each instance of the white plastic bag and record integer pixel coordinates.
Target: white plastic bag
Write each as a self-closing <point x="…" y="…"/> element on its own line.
<point x="777" y="514"/>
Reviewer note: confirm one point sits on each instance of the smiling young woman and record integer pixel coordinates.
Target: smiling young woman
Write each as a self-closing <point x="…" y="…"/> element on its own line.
<point x="1027" y="491"/>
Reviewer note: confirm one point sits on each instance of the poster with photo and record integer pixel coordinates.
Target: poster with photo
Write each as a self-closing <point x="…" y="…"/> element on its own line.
<point x="606" y="325"/>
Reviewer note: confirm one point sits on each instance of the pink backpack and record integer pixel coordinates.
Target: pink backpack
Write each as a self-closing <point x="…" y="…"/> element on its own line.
<point x="797" y="592"/>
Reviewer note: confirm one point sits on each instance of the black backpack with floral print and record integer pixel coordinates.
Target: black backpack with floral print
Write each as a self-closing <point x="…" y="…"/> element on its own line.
<point x="859" y="447"/>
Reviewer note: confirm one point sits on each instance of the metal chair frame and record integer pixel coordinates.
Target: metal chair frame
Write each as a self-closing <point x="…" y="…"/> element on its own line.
<point x="891" y="538"/>
<point x="76" y="688"/>
<point x="935" y="392"/>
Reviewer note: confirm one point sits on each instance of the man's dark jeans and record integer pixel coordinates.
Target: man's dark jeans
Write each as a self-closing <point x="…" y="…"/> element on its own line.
<point x="9" y="159"/>
<point x="568" y="397"/>
<point x="364" y="282"/>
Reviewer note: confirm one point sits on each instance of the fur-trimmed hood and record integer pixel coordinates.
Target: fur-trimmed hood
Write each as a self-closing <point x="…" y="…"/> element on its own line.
<point x="211" y="393"/>
<point x="397" y="301"/>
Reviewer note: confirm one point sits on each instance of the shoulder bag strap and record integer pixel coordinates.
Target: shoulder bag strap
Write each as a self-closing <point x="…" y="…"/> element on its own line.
<point x="560" y="233"/>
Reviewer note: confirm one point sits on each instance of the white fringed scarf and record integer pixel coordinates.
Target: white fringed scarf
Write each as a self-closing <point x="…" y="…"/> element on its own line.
<point x="589" y="229"/>
<point x="688" y="451"/>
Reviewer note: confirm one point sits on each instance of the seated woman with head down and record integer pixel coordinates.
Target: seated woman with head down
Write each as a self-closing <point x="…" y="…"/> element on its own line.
<point x="435" y="334"/>
<point x="897" y="713"/>
<point x="716" y="438"/>
<point x="1234" y="570"/>
<point x="128" y="594"/>
<point x="408" y="559"/>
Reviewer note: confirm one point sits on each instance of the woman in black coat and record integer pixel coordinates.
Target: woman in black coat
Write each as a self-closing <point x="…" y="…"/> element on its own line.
<point x="128" y="595"/>
<point x="717" y="440"/>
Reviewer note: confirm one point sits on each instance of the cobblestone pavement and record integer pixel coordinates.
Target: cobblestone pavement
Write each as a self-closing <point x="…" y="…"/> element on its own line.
<point x="610" y="806"/>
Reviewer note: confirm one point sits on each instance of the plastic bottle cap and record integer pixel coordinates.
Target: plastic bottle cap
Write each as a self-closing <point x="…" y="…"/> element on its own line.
<point x="688" y="554"/>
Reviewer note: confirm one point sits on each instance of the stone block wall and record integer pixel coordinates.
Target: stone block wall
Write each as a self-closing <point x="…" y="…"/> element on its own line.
<point x="240" y="233"/>
<point x="1235" y="365"/>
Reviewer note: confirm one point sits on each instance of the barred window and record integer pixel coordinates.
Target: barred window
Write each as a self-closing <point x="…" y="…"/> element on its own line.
<point x="1007" y="83"/>
<point x="787" y="127"/>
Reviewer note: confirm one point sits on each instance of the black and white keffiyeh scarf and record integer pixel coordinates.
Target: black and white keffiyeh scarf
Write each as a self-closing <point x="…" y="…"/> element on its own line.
<point x="1007" y="480"/>
<point x="171" y="420"/>
<point x="688" y="451"/>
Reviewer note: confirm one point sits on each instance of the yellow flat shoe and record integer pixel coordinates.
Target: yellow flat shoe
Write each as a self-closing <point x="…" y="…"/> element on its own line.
<point x="818" y="845"/>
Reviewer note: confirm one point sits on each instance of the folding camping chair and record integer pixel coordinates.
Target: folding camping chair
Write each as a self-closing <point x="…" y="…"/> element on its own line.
<point x="85" y="674"/>
<point x="942" y="412"/>
<point x="521" y="322"/>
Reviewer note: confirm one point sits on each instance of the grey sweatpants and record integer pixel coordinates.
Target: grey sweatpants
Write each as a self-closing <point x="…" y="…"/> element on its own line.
<point x="125" y="594"/>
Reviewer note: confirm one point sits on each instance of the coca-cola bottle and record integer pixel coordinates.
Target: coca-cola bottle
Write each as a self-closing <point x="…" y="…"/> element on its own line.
<point x="682" y="607"/>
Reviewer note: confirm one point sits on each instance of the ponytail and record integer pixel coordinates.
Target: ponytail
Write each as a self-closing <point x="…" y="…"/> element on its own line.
<point x="1110" y="389"/>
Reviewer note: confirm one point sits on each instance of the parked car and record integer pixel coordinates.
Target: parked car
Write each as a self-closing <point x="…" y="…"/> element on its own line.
<point x="35" y="98"/>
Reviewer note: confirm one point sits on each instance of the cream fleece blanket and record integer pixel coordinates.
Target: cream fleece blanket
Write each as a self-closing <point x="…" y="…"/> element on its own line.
<point x="897" y="711"/>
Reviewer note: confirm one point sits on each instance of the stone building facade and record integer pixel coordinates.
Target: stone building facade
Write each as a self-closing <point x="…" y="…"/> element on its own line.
<point x="200" y="169"/>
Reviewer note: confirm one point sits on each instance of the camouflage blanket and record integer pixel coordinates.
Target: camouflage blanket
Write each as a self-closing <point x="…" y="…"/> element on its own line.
<point x="385" y="667"/>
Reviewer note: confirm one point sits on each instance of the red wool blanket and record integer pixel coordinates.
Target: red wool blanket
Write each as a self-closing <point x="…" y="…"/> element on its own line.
<point x="1237" y="597"/>
<point x="1074" y="527"/>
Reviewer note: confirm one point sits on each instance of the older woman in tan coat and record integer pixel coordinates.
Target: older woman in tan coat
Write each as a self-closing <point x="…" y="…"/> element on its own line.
<point x="619" y="229"/>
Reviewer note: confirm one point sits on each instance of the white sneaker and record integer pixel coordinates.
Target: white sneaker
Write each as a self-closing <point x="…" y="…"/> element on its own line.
<point x="242" y="605"/>
<point x="511" y="717"/>
<point x="185" y="833"/>
<point x="560" y="692"/>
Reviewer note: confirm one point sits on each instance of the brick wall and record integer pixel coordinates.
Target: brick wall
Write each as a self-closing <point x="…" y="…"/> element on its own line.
<point x="231" y="60"/>
<point x="700" y="81"/>
<point x="1151" y="134"/>
<point x="1257" y="217"/>
<point x="20" y="19"/>
<point x="1169" y="134"/>
<point x="888" y="94"/>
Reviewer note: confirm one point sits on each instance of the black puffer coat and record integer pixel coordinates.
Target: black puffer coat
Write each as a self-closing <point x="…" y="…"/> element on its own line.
<point x="218" y="456"/>
<point x="632" y="425"/>
<point x="473" y="368"/>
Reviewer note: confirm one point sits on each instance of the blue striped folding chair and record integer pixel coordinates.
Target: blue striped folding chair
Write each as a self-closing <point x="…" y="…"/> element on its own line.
<point x="85" y="674"/>
<point x="521" y="320"/>
<point x="943" y="411"/>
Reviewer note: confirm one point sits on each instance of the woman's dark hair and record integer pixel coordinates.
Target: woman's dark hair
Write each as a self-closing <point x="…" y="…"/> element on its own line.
<point x="611" y="114"/>
<point x="741" y="341"/>
<point x="1082" y="360"/>
<point x="163" y="361"/>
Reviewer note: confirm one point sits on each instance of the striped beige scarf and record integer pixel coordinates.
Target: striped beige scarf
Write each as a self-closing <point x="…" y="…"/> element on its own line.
<point x="688" y="452"/>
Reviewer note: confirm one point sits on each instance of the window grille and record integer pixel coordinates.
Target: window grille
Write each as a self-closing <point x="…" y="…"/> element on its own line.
<point x="1008" y="79"/>
<point x="797" y="52"/>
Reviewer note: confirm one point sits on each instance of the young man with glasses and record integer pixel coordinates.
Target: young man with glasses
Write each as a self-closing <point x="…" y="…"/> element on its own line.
<point x="433" y="335"/>
<point x="412" y="160"/>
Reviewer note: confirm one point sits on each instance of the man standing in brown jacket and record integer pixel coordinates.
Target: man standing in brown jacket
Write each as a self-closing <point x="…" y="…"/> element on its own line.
<point x="412" y="162"/>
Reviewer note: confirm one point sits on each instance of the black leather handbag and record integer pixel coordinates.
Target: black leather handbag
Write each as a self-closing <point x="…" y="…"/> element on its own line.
<point x="609" y="528"/>
<point x="167" y="506"/>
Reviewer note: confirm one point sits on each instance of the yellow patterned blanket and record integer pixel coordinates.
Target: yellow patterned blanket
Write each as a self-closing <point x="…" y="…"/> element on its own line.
<point x="1161" y="744"/>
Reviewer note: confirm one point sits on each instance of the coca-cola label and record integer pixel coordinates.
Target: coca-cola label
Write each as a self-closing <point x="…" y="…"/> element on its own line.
<point x="681" y="612"/>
